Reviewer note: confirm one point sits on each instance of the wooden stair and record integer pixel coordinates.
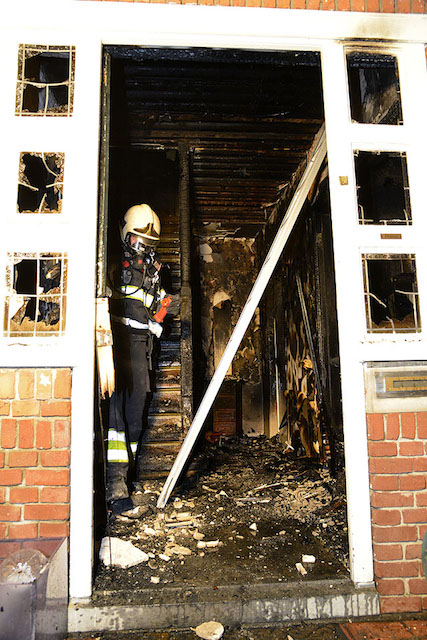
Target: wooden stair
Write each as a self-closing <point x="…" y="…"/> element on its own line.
<point x="164" y="433"/>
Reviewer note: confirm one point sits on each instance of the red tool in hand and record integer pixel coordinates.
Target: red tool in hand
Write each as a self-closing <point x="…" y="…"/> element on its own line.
<point x="160" y="315"/>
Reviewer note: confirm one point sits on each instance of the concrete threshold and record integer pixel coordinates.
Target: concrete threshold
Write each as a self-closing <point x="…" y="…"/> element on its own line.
<point x="251" y="605"/>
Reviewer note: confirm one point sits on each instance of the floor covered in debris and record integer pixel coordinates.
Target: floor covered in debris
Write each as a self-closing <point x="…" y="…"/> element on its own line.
<point x="254" y="515"/>
<point x="388" y="628"/>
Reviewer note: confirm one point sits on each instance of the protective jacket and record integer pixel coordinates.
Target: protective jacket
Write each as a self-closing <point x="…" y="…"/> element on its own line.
<point x="137" y="291"/>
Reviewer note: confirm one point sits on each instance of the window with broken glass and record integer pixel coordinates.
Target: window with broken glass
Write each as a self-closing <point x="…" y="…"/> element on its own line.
<point x="391" y="293"/>
<point x="45" y="85"/>
<point x="382" y="187"/>
<point x="41" y="177"/>
<point x="374" y="88"/>
<point x="36" y="290"/>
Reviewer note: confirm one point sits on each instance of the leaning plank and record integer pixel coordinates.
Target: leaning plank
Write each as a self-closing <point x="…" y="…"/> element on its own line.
<point x="252" y="302"/>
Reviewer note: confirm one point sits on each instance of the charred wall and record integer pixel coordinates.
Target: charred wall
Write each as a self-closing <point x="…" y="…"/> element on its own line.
<point x="310" y="413"/>
<point x="227" y="269"/>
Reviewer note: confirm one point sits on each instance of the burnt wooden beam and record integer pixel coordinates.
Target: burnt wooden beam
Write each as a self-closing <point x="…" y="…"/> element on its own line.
<point x="104" y="161"/>
<point x="136" y="54"/>
<point x="247" y="155"/>
<point x="163" y="125"/>
<point x="186" y="294"/>
<point x="230" y="182"/>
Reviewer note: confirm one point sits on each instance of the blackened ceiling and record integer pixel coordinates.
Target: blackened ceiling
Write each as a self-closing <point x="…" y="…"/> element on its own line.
<point x="248" y="118"/>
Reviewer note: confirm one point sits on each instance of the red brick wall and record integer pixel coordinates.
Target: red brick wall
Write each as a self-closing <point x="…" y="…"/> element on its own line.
<point x="35" y="410"/>
<point x="398" y="464"/>
<point x="379" y="6"/>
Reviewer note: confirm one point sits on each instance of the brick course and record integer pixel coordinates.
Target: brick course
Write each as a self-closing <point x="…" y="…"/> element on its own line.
<point x="35" y="411"/>
<point x="398" y="465"/>
<point x="380" y="6"/>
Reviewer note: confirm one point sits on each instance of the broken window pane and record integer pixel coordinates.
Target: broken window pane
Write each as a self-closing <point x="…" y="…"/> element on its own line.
<point x="382" y="187"/>
<point x="374" y="88"/>
<point x="45" y="80"/>
<point x="41" y="177"/>
<point x="36" y="285"/>
<point x="391" y="293"/>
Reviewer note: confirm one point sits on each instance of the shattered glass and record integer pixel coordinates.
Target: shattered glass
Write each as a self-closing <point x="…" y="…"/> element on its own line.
<point x="391" y="293"/>
<point x="37" y="286"/>
<point x="45" y="84"/>
<point x="41" y="177"/>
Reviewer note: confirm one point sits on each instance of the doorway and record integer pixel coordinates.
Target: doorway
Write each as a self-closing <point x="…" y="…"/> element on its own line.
<point x="216" y="142"/>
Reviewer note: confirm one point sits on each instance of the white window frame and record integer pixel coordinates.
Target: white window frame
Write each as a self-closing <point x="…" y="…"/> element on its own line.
<point x="351" y="240"/>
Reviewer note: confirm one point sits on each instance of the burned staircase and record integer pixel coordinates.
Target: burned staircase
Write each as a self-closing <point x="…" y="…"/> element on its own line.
<point x="164" y="433"/>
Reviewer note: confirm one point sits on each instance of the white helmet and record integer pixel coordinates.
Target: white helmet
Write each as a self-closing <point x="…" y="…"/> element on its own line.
<point x="140" y="220"/>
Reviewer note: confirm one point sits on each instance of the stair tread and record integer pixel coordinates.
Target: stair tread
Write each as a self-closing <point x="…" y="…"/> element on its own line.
<point x="165" y="432"/>
<point x="169" y="418"/>
<point x="163" y="386"/>
<point x="152" y="444"/>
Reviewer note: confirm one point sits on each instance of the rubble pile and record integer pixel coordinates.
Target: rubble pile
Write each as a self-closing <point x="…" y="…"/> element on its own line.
<point x="254" y="514"/>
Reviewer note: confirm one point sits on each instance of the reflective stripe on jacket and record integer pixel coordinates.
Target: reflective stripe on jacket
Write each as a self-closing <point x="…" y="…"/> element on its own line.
<point x="135" y="293"/>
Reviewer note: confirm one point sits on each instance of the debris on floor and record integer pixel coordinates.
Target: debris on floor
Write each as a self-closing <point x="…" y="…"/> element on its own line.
<point x="209" y="630"/>
<point x="391" y="629"/>
<point x="254" y="514"/>
<point x="120" y="553"/>
<point x="300" y="631"/>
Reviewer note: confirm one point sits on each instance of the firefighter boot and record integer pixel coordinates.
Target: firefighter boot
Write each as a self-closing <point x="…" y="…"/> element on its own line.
<point x="117" y="491"/>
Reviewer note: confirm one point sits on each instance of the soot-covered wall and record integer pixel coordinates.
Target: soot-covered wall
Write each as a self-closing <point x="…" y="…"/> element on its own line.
<point x="228" y="267"/>
<point x="310" y="410"/>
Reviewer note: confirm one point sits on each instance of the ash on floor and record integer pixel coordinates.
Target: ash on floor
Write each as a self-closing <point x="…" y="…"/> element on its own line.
<point x="255" y="515"/>
<point x="300" y="631"/>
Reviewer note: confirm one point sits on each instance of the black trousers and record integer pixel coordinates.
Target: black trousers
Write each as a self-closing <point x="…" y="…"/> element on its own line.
<point x="128" y="400"/>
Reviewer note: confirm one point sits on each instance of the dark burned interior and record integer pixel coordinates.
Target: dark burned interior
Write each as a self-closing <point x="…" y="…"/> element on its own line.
<point x="216" y="142"/>
<point x="382" y="188"/>
<point x="248" y="119"/>
<point x="374" y="88"/>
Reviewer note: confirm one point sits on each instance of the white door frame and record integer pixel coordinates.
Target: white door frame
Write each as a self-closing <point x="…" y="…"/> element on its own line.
<point x="89" y="26"/>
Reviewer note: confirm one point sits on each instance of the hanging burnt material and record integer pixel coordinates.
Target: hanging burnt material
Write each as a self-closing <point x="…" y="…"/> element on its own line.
<point x="228" y="269"/>
<point x="302" y="412"/>
<point x="312" y="421"/>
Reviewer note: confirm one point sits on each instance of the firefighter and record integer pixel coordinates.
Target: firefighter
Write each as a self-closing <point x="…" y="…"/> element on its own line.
<point x="138" y="305"/>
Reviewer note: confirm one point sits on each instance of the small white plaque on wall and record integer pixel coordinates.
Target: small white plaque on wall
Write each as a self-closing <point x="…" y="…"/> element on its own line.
<point x="396" y="387"/>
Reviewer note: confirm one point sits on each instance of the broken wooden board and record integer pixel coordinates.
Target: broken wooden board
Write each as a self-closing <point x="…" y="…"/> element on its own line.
<point x="313" y="166"/>
<point x="104" y="348"/>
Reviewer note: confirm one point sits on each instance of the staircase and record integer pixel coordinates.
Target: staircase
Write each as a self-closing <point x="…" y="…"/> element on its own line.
<point x="164" y="434"/>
